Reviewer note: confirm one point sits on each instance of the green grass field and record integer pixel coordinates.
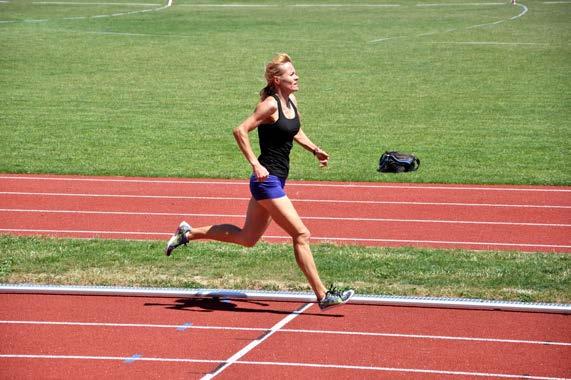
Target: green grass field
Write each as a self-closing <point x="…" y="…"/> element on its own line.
<point x="479" y="91"/>
<point x="391" y="271"/>
<point x="157" y="93"/>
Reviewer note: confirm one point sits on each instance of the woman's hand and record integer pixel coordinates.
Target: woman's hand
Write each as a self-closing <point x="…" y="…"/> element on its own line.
<point x="260" y="172"/>
<point x="322" y="156"/>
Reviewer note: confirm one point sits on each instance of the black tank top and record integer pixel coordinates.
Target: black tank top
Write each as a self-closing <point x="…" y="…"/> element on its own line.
<point x="276" y="141"/>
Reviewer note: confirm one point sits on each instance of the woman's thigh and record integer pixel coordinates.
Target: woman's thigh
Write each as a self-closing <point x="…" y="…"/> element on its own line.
<point x="257" y="220"/>
<point x="282" y="211"/>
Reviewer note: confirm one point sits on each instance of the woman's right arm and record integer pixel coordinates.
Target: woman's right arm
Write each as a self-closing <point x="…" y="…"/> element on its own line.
<point x="264" y="110"/>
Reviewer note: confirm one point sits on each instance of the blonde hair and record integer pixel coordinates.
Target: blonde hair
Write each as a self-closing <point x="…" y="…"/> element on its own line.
<point x="273" y="69"/>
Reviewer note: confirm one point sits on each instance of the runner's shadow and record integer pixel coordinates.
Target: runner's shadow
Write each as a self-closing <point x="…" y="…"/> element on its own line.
<point x="211" y="304"/>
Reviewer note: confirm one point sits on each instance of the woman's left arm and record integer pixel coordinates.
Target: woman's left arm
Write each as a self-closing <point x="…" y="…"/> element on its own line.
<point x="302" y="139"/>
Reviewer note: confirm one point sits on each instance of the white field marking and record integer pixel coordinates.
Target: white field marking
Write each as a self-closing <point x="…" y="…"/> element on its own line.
<point x="557" y="2"/>
<point x="346" y="5"/>
<point x="293" y="331"/>
<point x="183" y="197"/>
<point x="286" y="364"/>
<point x="490" y="43"/>
<point x="118" y="33"/>
<point x="317" y="238"/>
<point x="524" y="11"/>
<point x="80" y="3"/>
<point x="236" y="5"/>
<point x="167" y="5"/>
<point x="241" y="216"/>
<point x="290" y="184"/>
<point x="234" y="358"/>
<point x="457" y="4"/>
<point x="229" y="5"/>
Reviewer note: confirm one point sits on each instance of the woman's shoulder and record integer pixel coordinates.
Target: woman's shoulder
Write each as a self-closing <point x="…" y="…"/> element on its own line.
<point x="269" y="103"/>
<point x="266" y="107"/>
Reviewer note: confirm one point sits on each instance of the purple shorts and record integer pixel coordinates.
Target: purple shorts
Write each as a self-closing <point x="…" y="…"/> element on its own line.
<point x="271" y="188"/>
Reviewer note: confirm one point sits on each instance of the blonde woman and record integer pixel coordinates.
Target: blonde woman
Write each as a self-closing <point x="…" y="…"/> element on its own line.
<point x="278" y="122"/>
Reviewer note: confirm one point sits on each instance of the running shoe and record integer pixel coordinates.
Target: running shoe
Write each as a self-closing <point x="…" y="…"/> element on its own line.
<point x="334" y="297"/>
<point x="179" y="238"/>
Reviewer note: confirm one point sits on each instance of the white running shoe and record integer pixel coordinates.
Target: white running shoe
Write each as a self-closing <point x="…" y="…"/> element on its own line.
<point x="334" y="297"/>
<point x="179" y="238"/>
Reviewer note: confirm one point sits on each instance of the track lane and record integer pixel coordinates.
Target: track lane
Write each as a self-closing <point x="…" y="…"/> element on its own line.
<point x="223" y="207"/>
<point x="307" y="190"/>
<point x="470" y="217"/>
<point x="150" y="226"/>
<point x="362" y="356"/>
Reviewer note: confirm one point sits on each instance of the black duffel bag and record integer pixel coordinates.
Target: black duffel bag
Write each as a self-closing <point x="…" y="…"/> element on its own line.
<point x="396" y="162"/>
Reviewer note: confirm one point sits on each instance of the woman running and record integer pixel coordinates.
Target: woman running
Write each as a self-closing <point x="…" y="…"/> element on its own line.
<point x="278" y="122"/>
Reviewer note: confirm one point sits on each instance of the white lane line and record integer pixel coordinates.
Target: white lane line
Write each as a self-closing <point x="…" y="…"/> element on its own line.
<point x="182" y="197"/>
<point x="289" y="364"/>
<point x="89" y="232"/>
<point x="119" y="358"/>
<point x="245" y="183"/>
<point x="293" y="331"/>
<point x="241" y="216"/>
<point x="234" y="358"/>
<point x="315" y="238"/>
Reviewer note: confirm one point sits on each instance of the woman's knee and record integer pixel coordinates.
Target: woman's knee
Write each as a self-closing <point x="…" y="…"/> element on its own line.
<point x="302" y="237"/>
<point x="249" y="241"/>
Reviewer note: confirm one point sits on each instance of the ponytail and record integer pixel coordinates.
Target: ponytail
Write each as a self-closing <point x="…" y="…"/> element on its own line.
<point x="267" y="91"/>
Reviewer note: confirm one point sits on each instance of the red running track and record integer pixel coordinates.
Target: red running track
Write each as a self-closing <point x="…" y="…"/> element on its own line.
<point x="524" y="218"/>
<point x="94" y="337"/>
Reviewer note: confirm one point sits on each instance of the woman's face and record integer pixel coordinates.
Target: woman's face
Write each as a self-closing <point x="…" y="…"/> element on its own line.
<point x="288" y="80"/>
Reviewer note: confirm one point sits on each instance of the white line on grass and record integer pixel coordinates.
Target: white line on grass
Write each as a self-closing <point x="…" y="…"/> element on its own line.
<point x="457" y="4"/>
<point x="288" y="364"/>
<point x="80" y="3"/>
<point x="182" y="197"/>
<point x="167" y="5"/>
<point x="523" y="12"/>
<point x="239" y="5"/>
<point x="241" y="216"/>
<point x="293" y="331"/>
<point x="489" y="43"/>
<point x="346" y="5"/>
